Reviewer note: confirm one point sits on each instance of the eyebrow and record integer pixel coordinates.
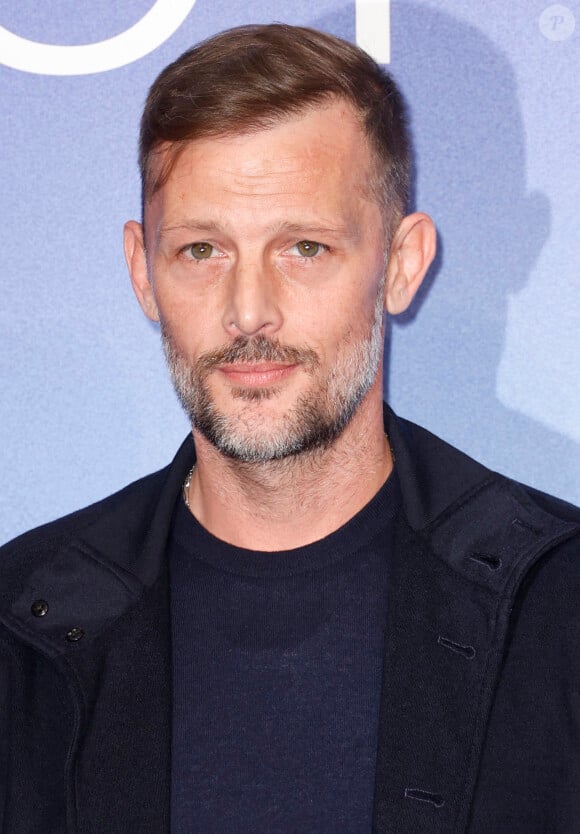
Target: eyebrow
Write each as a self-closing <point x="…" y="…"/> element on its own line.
<point x="334" y="231"/>
<point x="201" y="225"/>
<point x="191" y="225"/>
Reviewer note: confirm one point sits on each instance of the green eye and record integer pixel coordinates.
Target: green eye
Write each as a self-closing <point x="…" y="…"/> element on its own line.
<point x="200" y="251"/>
<point x="308" y="248"/>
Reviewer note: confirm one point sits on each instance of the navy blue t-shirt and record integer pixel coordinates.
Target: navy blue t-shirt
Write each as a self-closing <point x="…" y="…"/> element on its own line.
<point x="277" y="665"/>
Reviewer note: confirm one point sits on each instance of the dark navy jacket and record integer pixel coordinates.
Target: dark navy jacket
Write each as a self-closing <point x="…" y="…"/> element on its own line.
<point x="480" y="710"/>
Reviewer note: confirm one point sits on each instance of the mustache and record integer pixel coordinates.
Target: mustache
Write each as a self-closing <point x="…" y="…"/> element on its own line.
<point x="256" y="349"/>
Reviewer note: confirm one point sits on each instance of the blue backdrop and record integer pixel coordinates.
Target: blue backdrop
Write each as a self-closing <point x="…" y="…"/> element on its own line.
<point x="488" y="355"/>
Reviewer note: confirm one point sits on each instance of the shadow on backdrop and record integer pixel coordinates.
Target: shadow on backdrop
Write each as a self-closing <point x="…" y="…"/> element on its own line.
<point x="470" y="175"/>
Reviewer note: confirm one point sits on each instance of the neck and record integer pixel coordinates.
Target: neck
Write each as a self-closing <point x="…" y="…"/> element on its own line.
<point x="281" y="505"/>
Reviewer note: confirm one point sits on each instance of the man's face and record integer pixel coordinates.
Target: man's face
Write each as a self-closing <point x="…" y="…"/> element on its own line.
<point x="266" y="258"/>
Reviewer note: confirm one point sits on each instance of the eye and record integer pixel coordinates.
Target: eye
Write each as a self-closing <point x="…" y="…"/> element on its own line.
<point x="307" y="248"/>
<point x="200" y="251"/>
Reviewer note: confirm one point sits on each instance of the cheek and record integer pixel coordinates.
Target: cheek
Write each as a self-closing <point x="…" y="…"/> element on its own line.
<point x="330" y="338"/>
<point x="181" y="332"/>
<point x="186" y="318"/>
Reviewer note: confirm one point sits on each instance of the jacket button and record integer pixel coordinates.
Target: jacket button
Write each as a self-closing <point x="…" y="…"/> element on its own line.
<point x="74" y="635"/>
<point x="39" y="608"/>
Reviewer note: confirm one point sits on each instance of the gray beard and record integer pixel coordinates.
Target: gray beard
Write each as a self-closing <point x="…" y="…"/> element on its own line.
<point x="315" y="421"/>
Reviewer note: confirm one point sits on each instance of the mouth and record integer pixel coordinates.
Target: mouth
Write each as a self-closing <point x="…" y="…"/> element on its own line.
<point x="256" y="374"/>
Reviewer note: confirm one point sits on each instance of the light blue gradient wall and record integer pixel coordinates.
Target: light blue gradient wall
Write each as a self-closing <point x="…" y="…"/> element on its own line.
<point x="487" y="358"/>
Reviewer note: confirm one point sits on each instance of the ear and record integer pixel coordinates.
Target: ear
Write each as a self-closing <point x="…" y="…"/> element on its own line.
<point x="134" y="245"/>
<point x="412" y="250"/>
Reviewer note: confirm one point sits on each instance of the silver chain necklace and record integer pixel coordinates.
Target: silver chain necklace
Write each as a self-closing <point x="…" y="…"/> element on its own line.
<point x="185" y="487"/>
<point x="187" y="482"/>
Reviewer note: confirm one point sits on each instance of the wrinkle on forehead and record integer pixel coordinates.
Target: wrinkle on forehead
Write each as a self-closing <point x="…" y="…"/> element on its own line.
<point x="315" y="136"/>
<point x="320" y="160"/>
<point x="165" y="157"/>
<point x="298" y="169"/>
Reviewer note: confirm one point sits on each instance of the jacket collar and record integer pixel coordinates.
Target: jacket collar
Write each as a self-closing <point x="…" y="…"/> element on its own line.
<point x="433" y="474"/>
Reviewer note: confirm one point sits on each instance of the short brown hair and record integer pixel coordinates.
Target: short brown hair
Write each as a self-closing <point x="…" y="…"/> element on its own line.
<point x="251" y="77"/>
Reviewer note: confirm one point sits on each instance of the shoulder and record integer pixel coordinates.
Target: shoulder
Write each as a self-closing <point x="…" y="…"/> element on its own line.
<point x="21" y="555"/>
<point x="137" y="495"/>
<point x="471" y="515"/>
<point x="72" y="524"/>
<point x="115" y="526"/>
<point x="439" y="480"/>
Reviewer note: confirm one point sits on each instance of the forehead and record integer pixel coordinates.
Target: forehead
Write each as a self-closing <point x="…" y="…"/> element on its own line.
<point x="321" y="143"/>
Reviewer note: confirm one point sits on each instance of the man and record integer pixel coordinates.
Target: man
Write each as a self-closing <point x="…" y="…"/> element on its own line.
<point x="319" y="617"/>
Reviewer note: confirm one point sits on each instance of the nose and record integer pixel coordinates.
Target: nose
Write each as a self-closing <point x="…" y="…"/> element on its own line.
<point x="252" y="304"/>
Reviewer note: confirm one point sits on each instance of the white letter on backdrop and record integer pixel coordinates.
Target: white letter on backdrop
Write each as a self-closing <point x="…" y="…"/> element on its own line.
<point x="373" y="28"/>
<point x="160" y="22"/>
